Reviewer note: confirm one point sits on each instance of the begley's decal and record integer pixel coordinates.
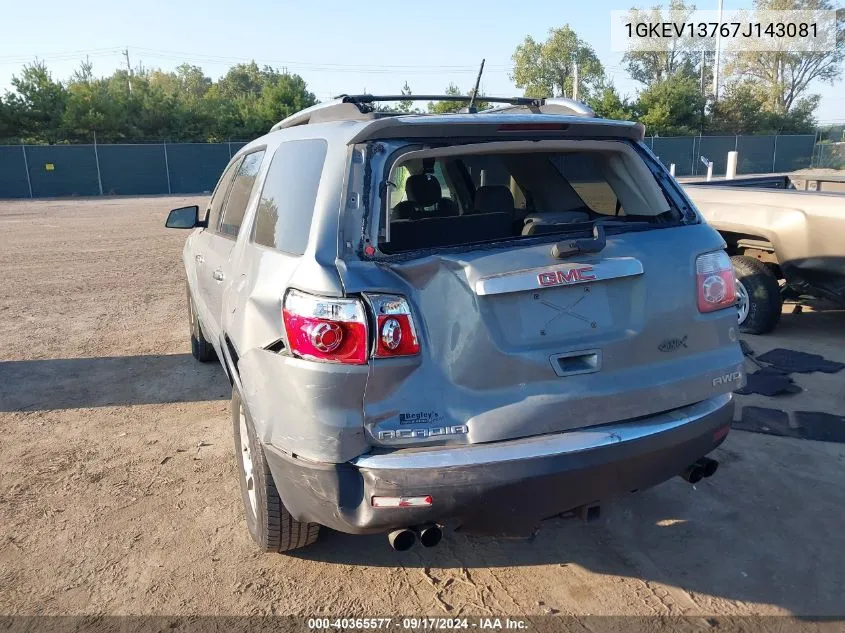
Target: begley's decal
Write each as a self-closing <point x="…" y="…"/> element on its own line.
<point x="419" y="417"/>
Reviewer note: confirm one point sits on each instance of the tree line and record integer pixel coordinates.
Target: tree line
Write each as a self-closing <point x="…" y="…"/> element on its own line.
<point x="145" y="105"/>
<point x="763" y="92"/>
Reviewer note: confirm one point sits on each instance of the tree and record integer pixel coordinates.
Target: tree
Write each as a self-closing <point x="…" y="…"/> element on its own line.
<point x="665" y="57"/>
<point x="40" y="102"/>
<point x="183" y="105"/>
<point x="444" y="107"/>
<point x="546" y="69"/>
<point x="672" y="107"/>
<point x="609" y="105"/>
<point x="406" y="106"/>
<point x="742" y="110"/>
<point x="785" y="76"/>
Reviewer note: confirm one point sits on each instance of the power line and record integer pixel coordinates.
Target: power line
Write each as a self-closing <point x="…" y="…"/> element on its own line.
<point x="210" y="58"/>
<point x="94" y="52"/>
<point x="301" y="64"/>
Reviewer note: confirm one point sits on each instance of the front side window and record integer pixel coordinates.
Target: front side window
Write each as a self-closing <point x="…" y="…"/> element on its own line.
<point x="283" y="220"/>
<point x="218" y="198"/>
<point x="233" y="215"/>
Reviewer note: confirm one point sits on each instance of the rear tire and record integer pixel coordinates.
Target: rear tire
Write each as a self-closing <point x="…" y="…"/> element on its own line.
<point x="759" y="296"/>
<point x="270" y="524"/>
<point x="201" y="349"/>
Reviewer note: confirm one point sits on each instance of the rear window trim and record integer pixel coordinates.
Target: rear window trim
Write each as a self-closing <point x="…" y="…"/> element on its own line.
<point x="372" y="220"/>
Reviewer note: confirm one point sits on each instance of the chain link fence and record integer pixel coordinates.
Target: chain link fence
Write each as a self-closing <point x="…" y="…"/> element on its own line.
<point x="42" y="171"/>
<point x="757" y="154"/>
<point x="47" y="171"/>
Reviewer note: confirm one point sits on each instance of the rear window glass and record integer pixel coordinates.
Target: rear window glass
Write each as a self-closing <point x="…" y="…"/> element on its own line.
<point x="478" y="197"/>
<point x="287" y="201"/>
<point x="583" y="172"/>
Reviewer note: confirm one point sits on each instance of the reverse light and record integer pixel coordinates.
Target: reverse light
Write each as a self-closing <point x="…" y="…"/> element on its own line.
<point x="402" y="502"/>
<point x="325" y="329"/>
<point x="396" y="334"/>
<point x="715" y="281"/>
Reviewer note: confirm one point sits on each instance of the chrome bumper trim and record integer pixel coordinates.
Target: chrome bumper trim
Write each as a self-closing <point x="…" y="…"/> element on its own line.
<point x="543" y="445"/>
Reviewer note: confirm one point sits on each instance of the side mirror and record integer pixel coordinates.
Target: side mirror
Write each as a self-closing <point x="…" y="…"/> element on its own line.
<point x="184" y="218"/>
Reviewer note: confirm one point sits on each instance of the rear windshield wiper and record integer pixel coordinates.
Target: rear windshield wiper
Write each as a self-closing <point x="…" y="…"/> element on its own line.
<point x="598" y="241"/>
<point x="590" y="245"/>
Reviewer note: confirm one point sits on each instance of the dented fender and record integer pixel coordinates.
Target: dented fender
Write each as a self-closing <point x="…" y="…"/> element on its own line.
<point x="312" y="410"/>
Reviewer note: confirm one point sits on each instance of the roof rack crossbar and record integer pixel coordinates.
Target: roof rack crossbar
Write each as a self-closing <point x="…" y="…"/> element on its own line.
<point x="368" y="99"/>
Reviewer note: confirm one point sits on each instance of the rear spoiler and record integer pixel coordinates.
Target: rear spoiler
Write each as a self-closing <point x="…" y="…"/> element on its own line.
<point x="548" y="126"/>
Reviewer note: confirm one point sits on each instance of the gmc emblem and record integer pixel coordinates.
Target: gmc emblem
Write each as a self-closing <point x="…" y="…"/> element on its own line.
<point x="571" y="276"/>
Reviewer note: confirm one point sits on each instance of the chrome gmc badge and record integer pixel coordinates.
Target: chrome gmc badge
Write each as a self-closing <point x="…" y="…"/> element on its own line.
<point x="570" y="276"/>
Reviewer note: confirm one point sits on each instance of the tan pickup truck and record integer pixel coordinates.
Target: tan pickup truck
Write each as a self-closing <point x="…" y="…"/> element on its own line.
<point x="784" y="243"/>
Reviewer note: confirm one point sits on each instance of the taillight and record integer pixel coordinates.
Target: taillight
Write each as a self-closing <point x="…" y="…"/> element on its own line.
<point x="396" y="334"/>
<point x="325" y="329"/>
<point x="715" y="280"/>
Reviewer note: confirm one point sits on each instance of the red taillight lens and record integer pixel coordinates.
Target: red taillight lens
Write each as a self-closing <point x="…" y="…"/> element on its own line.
<point x="715" y="281"/>
<point x="325" y="329"/>
<point x="396" y="334"/>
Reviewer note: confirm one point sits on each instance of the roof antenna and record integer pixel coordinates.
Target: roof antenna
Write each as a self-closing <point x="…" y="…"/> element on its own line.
<point x="471" y="107"/>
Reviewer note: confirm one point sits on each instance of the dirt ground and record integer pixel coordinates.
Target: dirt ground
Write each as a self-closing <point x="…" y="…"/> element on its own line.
<point x="118" y="489"/>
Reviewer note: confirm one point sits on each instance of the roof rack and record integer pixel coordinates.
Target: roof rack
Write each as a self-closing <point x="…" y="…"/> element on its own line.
<point x="554" y="105"/>
<point x="360" y="107"/>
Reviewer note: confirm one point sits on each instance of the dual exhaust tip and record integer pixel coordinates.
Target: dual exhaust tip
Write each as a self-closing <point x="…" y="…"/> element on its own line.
<point x="403" y="539"/>
<point x="704" y="467"/>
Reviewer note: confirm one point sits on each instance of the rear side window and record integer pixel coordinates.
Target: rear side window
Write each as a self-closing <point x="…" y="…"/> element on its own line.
<point x="233" y="215"/>
<point x="287" y="201"/>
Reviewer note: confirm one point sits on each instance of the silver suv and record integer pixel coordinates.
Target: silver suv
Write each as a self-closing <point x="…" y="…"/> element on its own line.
<point x="474" y="320"/>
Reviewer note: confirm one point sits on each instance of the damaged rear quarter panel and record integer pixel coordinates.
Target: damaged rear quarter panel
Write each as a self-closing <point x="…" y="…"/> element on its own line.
<point x="309" y="409"/>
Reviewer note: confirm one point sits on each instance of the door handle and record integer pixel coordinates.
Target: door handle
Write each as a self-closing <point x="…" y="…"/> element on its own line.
<point x="200" y="259"/>
<point x="218" y="274"/>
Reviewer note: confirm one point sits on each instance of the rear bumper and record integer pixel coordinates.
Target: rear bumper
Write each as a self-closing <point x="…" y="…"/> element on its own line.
<point x="502" y="488"/>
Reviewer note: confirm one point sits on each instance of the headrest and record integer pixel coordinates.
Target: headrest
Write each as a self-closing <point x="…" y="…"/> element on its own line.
<point x="493" y="198"/>
<point x="423" y="189"/>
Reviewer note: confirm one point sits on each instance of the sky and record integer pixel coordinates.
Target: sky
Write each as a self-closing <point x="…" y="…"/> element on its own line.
<point x="337" y="47"/>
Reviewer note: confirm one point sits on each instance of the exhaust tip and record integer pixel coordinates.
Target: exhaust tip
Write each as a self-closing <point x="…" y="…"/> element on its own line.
<point x="402" y="540"/>
<point x="709" y="466"/>
<point x="693" y="474"/>
<point x="430" y="535"/>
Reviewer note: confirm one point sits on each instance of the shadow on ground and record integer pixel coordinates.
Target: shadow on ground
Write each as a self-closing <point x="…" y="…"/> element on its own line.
<point x="71" y="383"/>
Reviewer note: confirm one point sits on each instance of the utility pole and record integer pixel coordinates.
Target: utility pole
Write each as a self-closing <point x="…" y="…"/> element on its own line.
<point x="703" y="96"/>
<point x="128" y="68"/>
<point x="718" y="56"/>
<point x="575" y="79"/>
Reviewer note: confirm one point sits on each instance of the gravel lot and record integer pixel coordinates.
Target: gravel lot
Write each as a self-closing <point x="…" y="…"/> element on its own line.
<point x="118" y="489"/>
